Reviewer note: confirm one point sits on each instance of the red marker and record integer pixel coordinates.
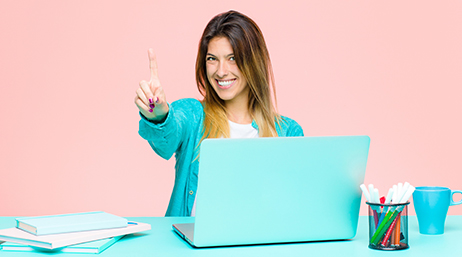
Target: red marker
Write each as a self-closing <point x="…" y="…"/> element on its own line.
<point x="382" y="199"/>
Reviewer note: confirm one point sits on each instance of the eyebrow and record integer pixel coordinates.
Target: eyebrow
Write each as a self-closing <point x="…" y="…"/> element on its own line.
<point x="225" y="56"/>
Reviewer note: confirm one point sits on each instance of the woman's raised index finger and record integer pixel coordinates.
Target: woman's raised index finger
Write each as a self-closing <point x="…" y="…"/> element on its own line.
<point x="152" y="63"/>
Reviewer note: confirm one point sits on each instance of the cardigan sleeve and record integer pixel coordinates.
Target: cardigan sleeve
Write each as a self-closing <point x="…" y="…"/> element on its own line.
<point x="163" y="137"/>
<point x="166" y="137"/>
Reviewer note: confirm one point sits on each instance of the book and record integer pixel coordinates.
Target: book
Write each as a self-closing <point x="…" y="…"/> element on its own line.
<point x="75" y="222"/>
<point x="96" y="246"/>
<point x="16" y="235"/>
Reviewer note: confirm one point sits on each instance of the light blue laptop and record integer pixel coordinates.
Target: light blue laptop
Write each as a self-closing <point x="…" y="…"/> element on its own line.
<point x="277" y="190"/>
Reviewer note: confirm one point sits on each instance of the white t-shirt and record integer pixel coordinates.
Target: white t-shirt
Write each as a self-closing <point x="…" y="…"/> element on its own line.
<point x="236" y="130"/>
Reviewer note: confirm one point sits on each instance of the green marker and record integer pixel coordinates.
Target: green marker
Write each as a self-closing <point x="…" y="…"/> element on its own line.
<point x="385" y="228"/>
<point x="380" y="228"/>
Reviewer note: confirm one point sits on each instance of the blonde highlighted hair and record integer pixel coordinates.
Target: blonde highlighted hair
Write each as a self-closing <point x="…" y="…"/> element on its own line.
<point x="253" y="61"/>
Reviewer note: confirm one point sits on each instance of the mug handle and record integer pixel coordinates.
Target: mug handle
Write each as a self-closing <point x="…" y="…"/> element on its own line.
<point x="452" y="200"/>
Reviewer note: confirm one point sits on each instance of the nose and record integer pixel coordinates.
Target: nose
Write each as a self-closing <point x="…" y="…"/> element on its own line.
<point x="222" y="69"/>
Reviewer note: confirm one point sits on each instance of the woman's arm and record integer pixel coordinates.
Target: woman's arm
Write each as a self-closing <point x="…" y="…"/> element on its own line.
<point x="159" y="124"/>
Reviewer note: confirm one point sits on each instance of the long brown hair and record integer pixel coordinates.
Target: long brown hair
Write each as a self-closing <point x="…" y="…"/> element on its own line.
<point x="252" y="59"/>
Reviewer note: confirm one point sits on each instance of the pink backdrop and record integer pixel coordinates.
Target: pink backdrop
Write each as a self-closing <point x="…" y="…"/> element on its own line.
<point x="69" y="70"/>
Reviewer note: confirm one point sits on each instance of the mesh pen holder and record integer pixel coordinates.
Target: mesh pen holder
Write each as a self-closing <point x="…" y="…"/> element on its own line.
<point x="388" y="226"/>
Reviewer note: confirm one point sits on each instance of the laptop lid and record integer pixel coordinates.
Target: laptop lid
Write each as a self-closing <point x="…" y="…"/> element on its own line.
<point x="273" y="190"/>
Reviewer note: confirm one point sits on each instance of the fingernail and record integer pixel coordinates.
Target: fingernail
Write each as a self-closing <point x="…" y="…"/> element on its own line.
<point x="152" y="106"/>
<point x="157" y="99"/>
<point x="150" y="110"/>
<point x="150" y="100"/>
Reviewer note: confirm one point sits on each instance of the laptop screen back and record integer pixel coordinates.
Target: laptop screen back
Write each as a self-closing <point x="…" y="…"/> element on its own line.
<point x="271" y="190"/>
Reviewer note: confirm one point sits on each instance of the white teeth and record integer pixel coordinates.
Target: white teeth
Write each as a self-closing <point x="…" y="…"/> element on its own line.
<point x="225" y="83"/>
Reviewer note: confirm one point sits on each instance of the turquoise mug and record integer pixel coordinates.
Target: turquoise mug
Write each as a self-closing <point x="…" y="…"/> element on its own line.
<point x="431" y="205"/>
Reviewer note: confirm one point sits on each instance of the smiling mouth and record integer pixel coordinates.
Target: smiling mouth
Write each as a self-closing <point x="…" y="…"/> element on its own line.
<point x="224" y="84"/>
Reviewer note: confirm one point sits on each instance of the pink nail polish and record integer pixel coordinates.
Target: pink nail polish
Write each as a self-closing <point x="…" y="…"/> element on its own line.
<point x="152" y="106"/>
<point x="150" y="110"/>
<point x="157" y="99"/>
<point x="150" y="100"/>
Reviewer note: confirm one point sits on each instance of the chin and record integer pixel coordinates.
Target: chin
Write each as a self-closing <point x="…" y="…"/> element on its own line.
<point x="225" y="97"/>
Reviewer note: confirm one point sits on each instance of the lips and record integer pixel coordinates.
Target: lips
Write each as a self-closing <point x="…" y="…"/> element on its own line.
<point x="224" y="84"/>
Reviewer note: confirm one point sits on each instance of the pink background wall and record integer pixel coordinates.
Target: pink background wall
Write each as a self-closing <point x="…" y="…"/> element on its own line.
<point x="69" y="70"/>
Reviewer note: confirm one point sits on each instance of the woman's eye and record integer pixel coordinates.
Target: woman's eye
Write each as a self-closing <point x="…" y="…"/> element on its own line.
<point x="210" y="58"/>
<point x="232" y="58"/>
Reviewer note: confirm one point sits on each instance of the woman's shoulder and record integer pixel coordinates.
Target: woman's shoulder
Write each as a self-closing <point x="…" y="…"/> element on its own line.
<point x="290" y="126"/>
<point x="288" y="121"/>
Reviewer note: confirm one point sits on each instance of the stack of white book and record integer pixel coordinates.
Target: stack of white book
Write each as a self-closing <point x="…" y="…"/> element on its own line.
<point x="90" y="232"/>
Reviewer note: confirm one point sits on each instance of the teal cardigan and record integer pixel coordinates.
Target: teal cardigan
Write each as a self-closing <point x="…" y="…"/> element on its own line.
<point x="180" y="133"/>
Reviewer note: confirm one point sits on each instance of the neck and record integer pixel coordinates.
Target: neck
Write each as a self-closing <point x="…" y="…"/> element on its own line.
<point x="238" y="112"/>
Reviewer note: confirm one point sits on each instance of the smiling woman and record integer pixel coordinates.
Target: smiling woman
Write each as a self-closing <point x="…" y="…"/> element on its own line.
<point x="234" y="75"/>
<point x="243" y="53"/>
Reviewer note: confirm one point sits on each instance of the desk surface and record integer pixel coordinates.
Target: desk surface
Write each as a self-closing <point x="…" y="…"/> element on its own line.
<point x="162" y="241"/>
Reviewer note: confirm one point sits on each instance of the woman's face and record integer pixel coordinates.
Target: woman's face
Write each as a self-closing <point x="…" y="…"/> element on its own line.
<point x="223" y="73"/>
